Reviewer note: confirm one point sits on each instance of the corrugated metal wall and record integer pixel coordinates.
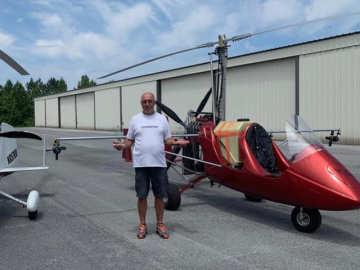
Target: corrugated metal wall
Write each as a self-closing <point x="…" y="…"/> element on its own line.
<point x="330" y="91"/>
<point x="263" y="92"/>
<point x="185" y="93"/>
<point x="107" y="109"/>
<point x="85" y="111"/>
<point x="52" y="112"/>
<point x="68" y="112"/>
<point x="40" y="113"/>
<point x="131" y="95"/>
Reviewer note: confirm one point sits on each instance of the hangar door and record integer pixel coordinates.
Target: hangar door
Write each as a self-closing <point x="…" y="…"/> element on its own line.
<point x="39" y="113"/>
<point x="68" y="112"/>
<point x="85" y="111"/>
<point x="131" y="95"/>
<point x="185" y="93"/>
<point x="107" y="109"/>
<point x="52" y="112"/>
<point x="263" y="92"/>
<point x="329" y="91"/>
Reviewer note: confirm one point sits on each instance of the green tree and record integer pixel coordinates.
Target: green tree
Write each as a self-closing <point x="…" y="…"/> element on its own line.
<point x="34" y="88"/>
<point x="54" y="86"/>
<point x="85" y="82"/>
<point x="15" y="105"/>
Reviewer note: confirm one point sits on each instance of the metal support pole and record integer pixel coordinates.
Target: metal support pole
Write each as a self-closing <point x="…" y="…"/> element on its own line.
<point x="213" y="89"/>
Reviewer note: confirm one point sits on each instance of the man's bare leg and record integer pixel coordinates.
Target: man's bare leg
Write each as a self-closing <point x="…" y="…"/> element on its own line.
<point x="142" y="208"/>
<point x="159" y="208"/>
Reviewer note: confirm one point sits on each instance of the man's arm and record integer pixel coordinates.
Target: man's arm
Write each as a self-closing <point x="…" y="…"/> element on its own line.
<point x="171" y="141"/>
<point x="123" y="145"/>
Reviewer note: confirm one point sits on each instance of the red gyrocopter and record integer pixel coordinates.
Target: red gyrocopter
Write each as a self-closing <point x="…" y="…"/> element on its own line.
<point x="243" y="156"/>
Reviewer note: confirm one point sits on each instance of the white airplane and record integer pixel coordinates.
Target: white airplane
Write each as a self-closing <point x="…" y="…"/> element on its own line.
<point x="9" y="155"/>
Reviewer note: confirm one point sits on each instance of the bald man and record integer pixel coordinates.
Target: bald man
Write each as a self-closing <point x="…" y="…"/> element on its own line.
<point x="149" y="133"/>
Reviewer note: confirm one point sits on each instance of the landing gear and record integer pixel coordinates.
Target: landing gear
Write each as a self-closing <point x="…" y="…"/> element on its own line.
<point x="174" y="198"/>
<point x="32" y="204"/>
<point x="305" y="219"/>
<point x="32" y="215"/>
<point x="252" y="198"/>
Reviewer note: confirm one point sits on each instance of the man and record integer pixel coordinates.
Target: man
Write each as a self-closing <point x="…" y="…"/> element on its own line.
<point x="149" y="133"/>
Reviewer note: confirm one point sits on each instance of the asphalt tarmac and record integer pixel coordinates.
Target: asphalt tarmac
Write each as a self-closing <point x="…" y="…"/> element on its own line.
<point x="88" y="219"/>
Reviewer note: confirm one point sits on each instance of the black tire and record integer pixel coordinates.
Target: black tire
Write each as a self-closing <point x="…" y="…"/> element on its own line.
<point x="32" y="215"/>
<point x="174" y="198"/>
<point x="309" y="222"/>
<point x="252" y="198"/>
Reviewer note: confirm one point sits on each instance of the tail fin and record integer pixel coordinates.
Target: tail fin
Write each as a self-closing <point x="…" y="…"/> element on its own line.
<point x="8" y="148"/>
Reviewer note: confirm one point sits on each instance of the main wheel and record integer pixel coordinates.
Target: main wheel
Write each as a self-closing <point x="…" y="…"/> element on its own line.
<point x="32" y="215"/>
<point x="252" y="198"/>
<point x="308" y="221"/>
<point x="174" y="198"/>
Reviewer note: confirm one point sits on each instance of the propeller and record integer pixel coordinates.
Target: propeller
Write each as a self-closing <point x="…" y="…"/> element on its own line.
<point x="20" y="135"/>
<point x="333" y="138"/>
<point x="12" y="63"/>
<point x="222" y="42"/>
<point x="203" y="103"/>
<point x="171" y="114"/>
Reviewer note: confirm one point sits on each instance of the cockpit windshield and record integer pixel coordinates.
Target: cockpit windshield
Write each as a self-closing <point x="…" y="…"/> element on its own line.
<point x="299" y="136"/>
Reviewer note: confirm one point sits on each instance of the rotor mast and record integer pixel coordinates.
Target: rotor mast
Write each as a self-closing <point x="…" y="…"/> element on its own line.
<point x="220" y="86"/>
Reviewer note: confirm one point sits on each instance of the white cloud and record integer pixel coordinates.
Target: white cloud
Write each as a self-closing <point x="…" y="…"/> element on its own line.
<point x="6" y="40"/>
<point x="275" y="11"/>
<point x="49" y="20"/>
<point x="80" y="46"/>
<point x="121" y="20"/>
<point x="190" y="30"/>
<point x="324" y="8"/>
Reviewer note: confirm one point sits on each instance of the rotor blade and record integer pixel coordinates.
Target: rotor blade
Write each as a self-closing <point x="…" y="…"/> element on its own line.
<point x="203" y="102"/>
<point x="171" y="114"/>
<point x="20" y="135"/>
<point x="160" y="57"/>
<point x="236" y="38"/>
<point x="12" y="63"/>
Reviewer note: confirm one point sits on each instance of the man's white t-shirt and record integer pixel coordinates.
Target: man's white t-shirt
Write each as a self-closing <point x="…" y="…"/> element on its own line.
<point x="149" y="132"/>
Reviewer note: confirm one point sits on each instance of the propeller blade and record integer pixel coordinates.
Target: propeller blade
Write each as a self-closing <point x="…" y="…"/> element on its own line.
<point x="203" y="103"/>
<point x="12" y="63"/>
<point x="20" y="135"/>
<point x="171" y="114"/>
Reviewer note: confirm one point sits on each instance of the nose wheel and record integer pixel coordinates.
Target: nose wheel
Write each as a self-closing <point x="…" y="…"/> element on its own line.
<point x="174" y="198"/>
<point x="305" y="219"/>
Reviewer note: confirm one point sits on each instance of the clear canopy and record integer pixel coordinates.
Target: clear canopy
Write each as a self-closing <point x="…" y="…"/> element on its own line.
<point x="299" y="136"/>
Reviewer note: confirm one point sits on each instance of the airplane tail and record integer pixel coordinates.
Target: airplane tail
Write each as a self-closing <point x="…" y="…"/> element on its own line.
<point x="8" y="148"/>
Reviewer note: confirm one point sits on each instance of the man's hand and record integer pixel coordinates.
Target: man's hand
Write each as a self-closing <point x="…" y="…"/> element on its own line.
<point x="181" y="143"/>
<point x="118" y="145"/>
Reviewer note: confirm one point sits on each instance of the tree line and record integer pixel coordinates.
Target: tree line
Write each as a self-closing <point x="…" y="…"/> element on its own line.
<point x="17" y="101"/>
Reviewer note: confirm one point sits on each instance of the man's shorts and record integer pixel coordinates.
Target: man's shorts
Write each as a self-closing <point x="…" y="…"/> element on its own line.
<point x="158" y="178"/>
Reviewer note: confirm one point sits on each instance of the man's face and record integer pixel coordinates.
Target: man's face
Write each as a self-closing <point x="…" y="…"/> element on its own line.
<point x="148" y="104"/>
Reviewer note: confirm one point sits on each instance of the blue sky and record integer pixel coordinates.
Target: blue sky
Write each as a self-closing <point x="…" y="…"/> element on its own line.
<point x="64" y="38"/>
